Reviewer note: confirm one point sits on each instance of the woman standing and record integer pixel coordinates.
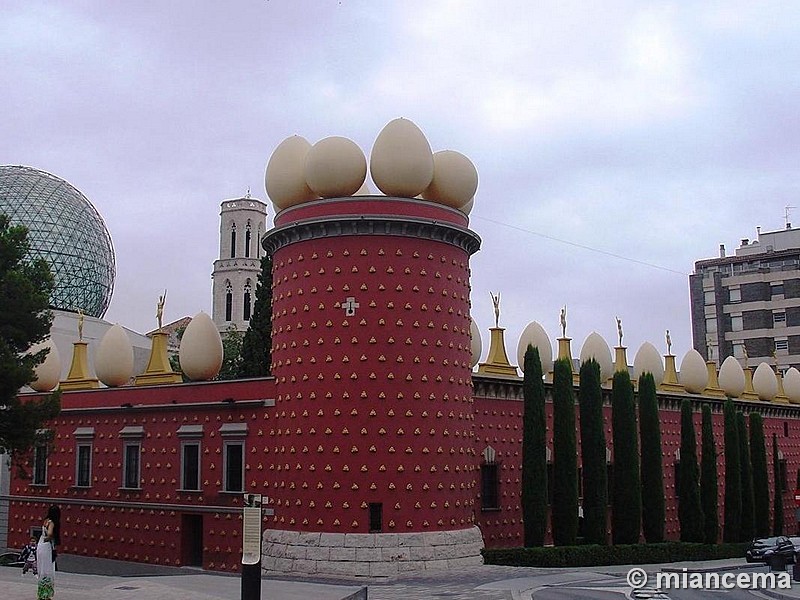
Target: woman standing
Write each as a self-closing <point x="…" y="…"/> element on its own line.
<point x="45" y="553"/>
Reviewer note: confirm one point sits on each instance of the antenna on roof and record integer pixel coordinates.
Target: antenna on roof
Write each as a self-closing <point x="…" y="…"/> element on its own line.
<point x="786" y="210"/>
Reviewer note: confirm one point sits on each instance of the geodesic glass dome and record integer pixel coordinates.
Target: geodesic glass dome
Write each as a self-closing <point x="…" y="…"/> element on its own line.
<point x="66" y="231"/>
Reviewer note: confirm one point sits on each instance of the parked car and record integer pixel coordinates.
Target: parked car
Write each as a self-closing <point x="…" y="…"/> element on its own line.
<point x="756" y="549"/>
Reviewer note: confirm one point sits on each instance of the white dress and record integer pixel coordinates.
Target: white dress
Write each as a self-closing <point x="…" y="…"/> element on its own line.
<point x="47" y="570"/>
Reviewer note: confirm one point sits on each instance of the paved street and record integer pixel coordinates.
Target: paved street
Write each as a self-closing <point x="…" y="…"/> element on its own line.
<point x="83" y="578"/>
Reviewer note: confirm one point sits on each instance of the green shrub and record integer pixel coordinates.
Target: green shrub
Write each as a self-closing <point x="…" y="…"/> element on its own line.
<point x="534" y="451"/>
<point x="596" y="555"/>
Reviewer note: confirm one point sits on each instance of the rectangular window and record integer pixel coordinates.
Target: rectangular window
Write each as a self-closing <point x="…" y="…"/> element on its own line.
<point x="711" y="325"/>
<point x="234" y="466"/>
<point x="737" y="324"/>
<point x="375" y="517"/>
<point x="489" y="486"/>
<point x="83" y="478"/>
<point x="130" y="475"/>
<point x="735" y="295"/>
<point x="778" y="319"/>
<point x="709" y="298"/>
<point x="776" y="289"/>
<point x="40" y="464"/>
<point x="190" y="466"/>
<point x="781" y="345"/>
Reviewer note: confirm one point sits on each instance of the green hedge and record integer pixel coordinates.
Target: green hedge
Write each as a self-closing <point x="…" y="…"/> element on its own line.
<point x="622" y="554"/>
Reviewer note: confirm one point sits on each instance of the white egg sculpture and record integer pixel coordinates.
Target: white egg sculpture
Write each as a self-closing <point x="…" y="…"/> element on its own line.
<point x="594" y="346"/>
<point x="731" y="377"/>
<point x="201" y="349"/>
<point x="285" y="179"/>
<point x="476" y="346"/>
<point x="764" y="382"/>
<point x="791" y="385"/>
<point x="648" y="360"/>
<point x="467" y="208"/>
<point x="113" y="359"/>
<point x="335" y="167"/>
<point x="401" y="162"/>
<point x="694" y="372"/>
<point x="535" y="335"/>
<point x="47" y="372"/>
<point x="455" y="179"/>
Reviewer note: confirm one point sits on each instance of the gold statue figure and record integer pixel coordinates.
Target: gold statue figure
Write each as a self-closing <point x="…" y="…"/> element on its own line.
<point x="80" y="324"/>
<point x="160" y="308"/>
<point x="746" y="356"/>
<point x="669" y="344"/>
<point x="619" y="330"/>
<point x="564" y="321"/>
<point x="496" y="302"/>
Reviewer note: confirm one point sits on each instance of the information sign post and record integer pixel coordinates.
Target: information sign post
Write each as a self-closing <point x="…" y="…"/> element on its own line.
<point x="251" y="547"/>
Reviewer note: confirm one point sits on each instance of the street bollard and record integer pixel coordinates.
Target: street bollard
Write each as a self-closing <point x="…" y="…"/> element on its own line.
<point x="251" y="547"/>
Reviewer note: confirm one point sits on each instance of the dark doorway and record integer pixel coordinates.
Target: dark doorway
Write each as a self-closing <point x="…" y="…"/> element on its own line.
<point x="192" y="540"/>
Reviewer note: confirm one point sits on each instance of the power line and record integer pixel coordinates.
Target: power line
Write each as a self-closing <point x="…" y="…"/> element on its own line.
<point x="583" y="246"/>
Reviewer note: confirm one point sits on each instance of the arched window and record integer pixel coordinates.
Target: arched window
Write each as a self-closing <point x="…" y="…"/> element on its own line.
<point x="233" y="240"/>
<point x="247" y="240"/>
<point x="228" y="299"/>
<point x="247" y="302"/>
<point x="259" y="249"/>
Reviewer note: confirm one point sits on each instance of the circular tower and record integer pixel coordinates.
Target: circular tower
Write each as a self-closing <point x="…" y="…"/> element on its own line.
<point x="373" y="467"/>
<point x="242" y="223"/>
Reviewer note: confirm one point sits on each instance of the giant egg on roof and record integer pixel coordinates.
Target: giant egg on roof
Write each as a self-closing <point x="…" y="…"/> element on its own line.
<point x="285" y="179"/>
<point x="335" y="167"/>
<point x="401" y="162"/>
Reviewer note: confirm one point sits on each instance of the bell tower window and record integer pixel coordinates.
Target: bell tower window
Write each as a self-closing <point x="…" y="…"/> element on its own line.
<point x="228" y="300"/>
<point x="233" y="240"/>
<point x="247" y="301"/>
<point x="247" y="240"/>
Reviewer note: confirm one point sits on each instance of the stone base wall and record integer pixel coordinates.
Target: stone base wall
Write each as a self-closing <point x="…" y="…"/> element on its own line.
<point x="369" y="554"/>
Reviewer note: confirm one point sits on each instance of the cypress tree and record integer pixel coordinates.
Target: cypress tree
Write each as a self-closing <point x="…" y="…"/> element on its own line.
<point x="565" y="464"/>
<point x="733" y="481"/>
<point x="626" y="494"/>
<point x="708" y="480"/>
<point x="652" y="469"/>
<point x="758" y="458"/>
<point x="257" y="342"/>
<point x="690" y="513"/>
<point x="593" y="454"/>
<point x="777" y="520"/>
<point x="534" y="451"/>
<point x="747" y="529"/>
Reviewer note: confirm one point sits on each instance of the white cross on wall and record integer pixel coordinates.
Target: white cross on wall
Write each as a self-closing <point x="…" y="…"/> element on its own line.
<point x="350" y="305"/>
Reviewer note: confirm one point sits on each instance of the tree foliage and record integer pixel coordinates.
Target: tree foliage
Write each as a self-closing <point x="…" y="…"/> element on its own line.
<point x="534" y="451"/>
<point x="626" y="493"/>
<point x="653" y="511"/>
<point x="758" y="458"/>
<point x="733" y="477"/>
<point x="593" y="454"/>
<point x="708" y="480"/>
<point x="231" y="354"/>
<point x="25" y="320"/>
<point x="690" y="513"/>
<point x="777" y="517"/>
<point x="565" y="464"/>
<point x="747" y="527"/>
<point x="257" y="342"/>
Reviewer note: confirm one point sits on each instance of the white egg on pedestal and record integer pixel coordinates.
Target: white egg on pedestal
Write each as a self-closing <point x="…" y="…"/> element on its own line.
<point x="694" y="372"/>
<point x="455" y="179"/>
<point x="648" y="360"/>
<point x="401" y="161"/>
<point x="791" y="385"/>
<point x="201" y="351"/>
<point x="595" y="347"/>
<point x="285" y="179"/>
<point x="48" y="372"/>
<point x="335" y="167"/>
<point x="731" y="377"/>
<point x="476" y="344"/>
<point x="535" y="335"/>
<point x="764" y="382"/>
<point x="113" y="359"/>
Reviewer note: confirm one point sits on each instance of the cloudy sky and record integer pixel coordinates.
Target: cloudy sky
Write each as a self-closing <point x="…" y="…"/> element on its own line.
<point x="616" y="142"/>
